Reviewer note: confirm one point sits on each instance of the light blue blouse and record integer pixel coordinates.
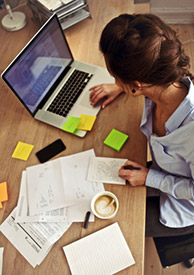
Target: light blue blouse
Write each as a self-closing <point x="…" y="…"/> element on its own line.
<point x="173" y="161"/>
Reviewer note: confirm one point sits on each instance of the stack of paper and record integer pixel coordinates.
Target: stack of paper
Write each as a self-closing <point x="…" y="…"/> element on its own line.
<point x="52" y="196"/>
<point x="54" y="191"/>
<point x="56" y="4"/>
<point x="32" y="240"/>
<point x="66" y="10"/>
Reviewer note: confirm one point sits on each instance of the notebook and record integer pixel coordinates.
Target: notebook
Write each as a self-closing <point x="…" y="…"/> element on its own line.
<point x="103" y="252"/>
<point x="47" y="80"/>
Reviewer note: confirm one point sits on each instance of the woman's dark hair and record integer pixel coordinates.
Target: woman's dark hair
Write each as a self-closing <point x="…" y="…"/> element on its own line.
<point x="142" y="47"/>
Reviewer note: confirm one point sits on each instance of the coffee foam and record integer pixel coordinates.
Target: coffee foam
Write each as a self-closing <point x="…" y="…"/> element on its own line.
<point x="105" y="206"/>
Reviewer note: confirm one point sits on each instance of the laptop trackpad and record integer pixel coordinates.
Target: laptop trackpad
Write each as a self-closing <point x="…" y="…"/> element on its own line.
<point x="85" y="101"/>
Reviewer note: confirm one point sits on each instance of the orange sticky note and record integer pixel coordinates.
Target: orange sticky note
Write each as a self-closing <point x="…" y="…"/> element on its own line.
<point x="3" y="193"/>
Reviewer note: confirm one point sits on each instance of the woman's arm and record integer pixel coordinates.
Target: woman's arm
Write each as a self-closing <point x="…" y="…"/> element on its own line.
<point x="177" y="186"/>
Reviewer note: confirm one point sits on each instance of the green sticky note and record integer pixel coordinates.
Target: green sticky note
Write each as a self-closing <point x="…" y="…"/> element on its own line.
<point x="115" y="139"/>
<point x="71" y="124"/>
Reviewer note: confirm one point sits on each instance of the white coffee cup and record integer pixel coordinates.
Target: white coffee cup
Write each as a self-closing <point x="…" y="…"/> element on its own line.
<point x="105" y="205"/>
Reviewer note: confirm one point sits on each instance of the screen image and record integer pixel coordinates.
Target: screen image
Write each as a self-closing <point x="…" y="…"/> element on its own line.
<point x="39" y="65"/>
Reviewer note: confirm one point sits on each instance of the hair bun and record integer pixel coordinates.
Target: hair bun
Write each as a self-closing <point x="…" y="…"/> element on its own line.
<point x="142" y="47"/>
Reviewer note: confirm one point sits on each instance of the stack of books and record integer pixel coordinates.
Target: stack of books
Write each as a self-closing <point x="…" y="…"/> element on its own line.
<point x="69" y="12"/>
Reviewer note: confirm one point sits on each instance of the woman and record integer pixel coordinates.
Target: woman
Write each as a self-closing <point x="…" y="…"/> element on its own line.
<point x="146" y="58"/>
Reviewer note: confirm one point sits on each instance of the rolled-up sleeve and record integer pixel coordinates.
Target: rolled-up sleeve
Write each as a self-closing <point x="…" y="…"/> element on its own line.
<point x="176" y="186"/>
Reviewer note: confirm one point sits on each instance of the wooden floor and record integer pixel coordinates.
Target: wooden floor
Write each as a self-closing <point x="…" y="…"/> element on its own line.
<point x="153" y="265"/>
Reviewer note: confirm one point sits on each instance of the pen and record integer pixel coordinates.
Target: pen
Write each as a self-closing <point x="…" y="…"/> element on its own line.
<point x="87" y="217"/>
<point x="129" y="167"/>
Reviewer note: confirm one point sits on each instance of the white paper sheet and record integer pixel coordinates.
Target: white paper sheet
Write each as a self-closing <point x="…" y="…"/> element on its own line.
<point x="44" y="187"/>
<point x="51" y="4"/>
<point x="32" y="240"/>
<point x="75" y="171"/>
<point x="68" y="8"/>
<point x="74" y="213"/>
<point x="1" y="259"/>
<point x="103" y="252"/>
<point x="22" y="212"/>
<point x="60" y="183"/>
<point x="54" y="4"/>
<point x="105" y="170"/>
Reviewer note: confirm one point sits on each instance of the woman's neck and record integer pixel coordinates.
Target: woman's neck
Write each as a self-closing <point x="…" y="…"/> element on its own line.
<point x="167" y="98"/>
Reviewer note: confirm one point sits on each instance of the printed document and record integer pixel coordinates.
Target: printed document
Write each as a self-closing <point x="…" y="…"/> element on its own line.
<point x="105" y="170"/>
<point x="32" y="240"/>
<point x="60" y="183"/>
<point x="45" y="183"/>
<point x="75" y="213"/>
<point x="103" y="252"/>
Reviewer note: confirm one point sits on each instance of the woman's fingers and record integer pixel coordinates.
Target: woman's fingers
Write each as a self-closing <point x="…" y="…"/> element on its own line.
<point x="133" y="175"/>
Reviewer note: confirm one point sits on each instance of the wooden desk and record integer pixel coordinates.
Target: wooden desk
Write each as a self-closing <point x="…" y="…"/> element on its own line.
<point x="17" y="125"/>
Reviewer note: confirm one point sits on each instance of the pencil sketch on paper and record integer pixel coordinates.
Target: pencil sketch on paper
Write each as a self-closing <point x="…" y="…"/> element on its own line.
<point x="105" y="170"/>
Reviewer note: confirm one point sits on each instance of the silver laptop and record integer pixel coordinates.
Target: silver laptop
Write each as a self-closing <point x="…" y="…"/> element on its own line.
<point x="49" y="82"/>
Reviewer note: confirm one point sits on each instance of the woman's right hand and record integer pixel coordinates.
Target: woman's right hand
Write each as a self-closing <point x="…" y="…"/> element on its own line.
<point x="107" y="91"/>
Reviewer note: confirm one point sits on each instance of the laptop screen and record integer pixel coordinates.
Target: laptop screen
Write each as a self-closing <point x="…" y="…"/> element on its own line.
<point x="36" y="69"/>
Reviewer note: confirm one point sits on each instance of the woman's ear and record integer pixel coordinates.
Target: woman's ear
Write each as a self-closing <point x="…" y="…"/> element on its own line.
<point x="137" y="85"/>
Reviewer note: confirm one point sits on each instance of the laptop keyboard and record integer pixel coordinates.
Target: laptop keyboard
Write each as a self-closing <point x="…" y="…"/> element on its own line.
<point x="69" y="93"/>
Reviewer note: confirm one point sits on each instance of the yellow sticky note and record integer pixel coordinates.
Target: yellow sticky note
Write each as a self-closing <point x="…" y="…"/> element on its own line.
<point x="86" y="122"/>
<point x="22" y="151"/>
<point x="3" y="193"/>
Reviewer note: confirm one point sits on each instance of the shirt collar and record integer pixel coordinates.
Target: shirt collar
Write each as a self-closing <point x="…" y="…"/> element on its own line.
<point x="183" y="109"/>
<point x="180" y="113"/>
<point x="147" y="110"/>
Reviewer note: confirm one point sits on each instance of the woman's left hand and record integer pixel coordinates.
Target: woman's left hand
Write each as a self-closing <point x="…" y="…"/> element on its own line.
<point x="134" y="177"/>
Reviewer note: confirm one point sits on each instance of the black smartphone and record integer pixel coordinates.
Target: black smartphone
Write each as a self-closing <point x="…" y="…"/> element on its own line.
<point x="51" y="150"/>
